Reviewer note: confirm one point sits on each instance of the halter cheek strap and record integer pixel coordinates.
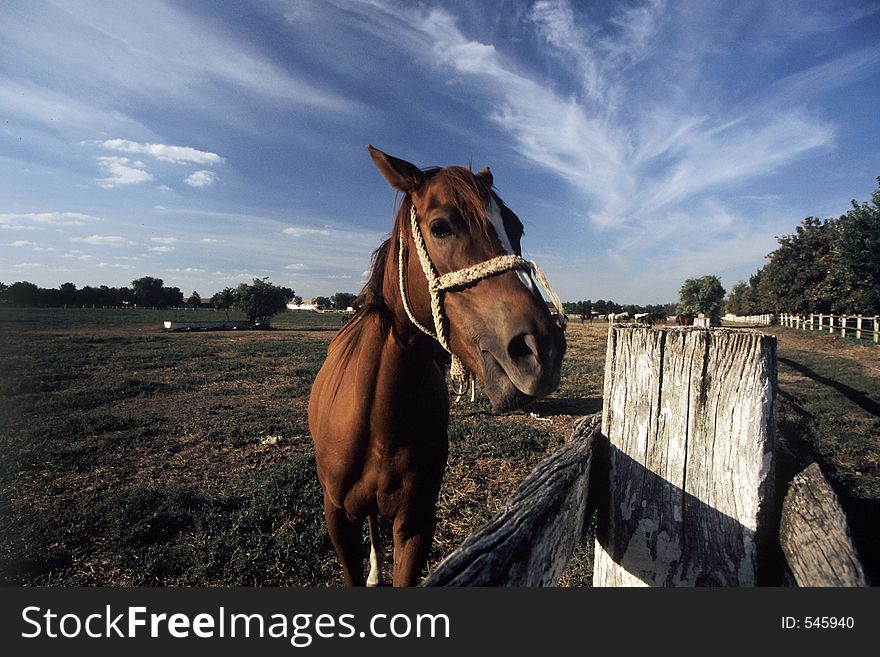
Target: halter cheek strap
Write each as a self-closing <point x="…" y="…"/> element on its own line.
<point x="457" y="280"/>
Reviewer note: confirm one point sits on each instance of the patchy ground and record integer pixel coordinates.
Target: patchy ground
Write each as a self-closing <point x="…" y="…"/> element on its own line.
<point x="138" y="457"/>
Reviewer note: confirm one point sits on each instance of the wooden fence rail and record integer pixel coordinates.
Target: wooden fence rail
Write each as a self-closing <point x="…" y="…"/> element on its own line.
<point x="531" y="540"/>
<point x="857" y="326"/>
<point x="681" y="477"/>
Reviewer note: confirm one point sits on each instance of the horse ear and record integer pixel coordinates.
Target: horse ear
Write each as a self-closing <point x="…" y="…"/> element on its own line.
<point x="486" y="176"/>
<point x="400" y="174"/>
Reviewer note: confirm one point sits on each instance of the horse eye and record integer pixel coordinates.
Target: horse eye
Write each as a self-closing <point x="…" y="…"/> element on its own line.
<point x="441" y="228"/>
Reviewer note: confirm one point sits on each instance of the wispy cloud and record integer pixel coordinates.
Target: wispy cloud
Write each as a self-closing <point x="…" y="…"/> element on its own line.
<point x="163" y="240"/>
<point x="632" y="148"/>
<point x="30" y="219"/>
<point x="162" y="249"/>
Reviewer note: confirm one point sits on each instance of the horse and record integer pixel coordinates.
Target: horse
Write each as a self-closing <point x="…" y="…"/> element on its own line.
<point x="684" y="319"/>
<point x="448" y="285"/>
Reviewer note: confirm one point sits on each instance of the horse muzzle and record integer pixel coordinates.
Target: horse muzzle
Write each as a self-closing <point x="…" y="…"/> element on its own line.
<point x="526" y="363"/>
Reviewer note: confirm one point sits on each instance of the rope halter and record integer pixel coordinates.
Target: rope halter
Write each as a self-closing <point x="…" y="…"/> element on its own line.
<point x="455" y="280"/>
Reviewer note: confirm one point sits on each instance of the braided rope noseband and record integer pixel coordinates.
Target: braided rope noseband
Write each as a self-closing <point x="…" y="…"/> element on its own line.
<point x="457" y="280"/>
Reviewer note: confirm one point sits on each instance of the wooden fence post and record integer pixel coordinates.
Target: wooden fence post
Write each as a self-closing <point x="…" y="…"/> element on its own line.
<point x="859" y="327"/>
<point x="689" y="417"/>
<point x="877" y="329"/>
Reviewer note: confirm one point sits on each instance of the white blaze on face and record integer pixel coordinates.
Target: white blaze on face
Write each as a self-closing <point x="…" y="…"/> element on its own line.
<point x="501" y="232"/>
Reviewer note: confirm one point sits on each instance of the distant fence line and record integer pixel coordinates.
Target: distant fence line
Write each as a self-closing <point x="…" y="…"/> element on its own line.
<point x="857" y="326"/>
<point x="760" y="320"/>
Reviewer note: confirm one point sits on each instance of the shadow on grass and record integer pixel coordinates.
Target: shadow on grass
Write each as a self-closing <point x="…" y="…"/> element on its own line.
<point x="566" y="406"/>
<point x="857" y="397"/>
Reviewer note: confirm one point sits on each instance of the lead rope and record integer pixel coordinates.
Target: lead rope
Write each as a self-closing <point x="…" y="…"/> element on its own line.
<point x="461" y="377"/>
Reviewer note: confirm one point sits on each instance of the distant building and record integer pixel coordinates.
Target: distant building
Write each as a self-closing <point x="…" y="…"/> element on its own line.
<point x="305" y="305"/>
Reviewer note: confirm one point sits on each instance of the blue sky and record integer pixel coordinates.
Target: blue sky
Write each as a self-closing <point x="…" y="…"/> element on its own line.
<point x="641" y="143"/>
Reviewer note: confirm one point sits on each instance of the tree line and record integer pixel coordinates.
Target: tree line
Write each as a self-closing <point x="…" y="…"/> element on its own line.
<point x="147" y="292"/>
<point x="258" y="300"/>
<point x="604" y="307"/>
<point x="825" y="266"/>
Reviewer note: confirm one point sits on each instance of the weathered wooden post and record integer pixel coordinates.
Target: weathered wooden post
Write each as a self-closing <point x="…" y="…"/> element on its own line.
<point x="859" y="327"/>
<point x="689" y="419"/>
<point x="877" y="329"/>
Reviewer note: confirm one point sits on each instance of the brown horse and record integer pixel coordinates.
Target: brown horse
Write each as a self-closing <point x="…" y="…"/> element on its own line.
<point x="379" y="407"/>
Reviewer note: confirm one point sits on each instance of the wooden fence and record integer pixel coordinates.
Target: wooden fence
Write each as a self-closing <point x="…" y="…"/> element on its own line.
<point x="857" y="326"/>
<point x="679" y="469"/>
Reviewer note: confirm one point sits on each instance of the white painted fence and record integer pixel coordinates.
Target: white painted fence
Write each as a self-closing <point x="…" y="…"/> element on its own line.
<point x="857" y="326"/>
<point x="760" y="320"/>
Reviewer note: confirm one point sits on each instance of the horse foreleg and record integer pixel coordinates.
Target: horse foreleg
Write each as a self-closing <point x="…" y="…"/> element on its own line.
<point x="411" y="547"/>
<point x="346" y="537"/>
<point x="377" y="553"/>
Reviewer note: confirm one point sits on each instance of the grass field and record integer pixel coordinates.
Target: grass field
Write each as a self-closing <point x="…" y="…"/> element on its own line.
<point x="132" y="456"/>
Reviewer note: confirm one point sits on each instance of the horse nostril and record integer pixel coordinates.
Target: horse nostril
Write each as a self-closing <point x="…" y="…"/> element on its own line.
<point x="522" y="346"/>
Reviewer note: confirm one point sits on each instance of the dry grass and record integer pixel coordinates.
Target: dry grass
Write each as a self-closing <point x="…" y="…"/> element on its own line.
<point x="136" y="457"/>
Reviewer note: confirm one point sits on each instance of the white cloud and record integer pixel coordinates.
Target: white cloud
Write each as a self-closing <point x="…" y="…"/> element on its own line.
<point x="78" y="255"/>
<point x="162" y="249"/>
<point x="103" y="240"/>
<point x="201" y="179"/>
<point x="19" y="220"/>
<point x="112" y="265"/>
<point x="299" y="231"/>
<point x="296" y="265"/>
<point x="21" y="243"/>
<point x="122" y="171"/>
<point x="163" y="152"/>
<point x="210" y="240"/>
<point x="163" y="240"/>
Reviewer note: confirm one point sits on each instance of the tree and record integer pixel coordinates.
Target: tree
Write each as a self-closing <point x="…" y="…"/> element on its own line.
<point x="170" y="297"/>
<point x="323" y="303"/>
<point x="735" y="304"/>
<point x="69" y="296"/>
<point x="224" y="300"/>
<point x="262" y="299"/>
<point x="803" y="275"/>
<point x="23" y="293"/>
<point x="702" y="295"/>
<point x="858" y="250"/>
<point x="147" y="291"/>
<point x="343" y="300"/>
<point x="194" y="300"/>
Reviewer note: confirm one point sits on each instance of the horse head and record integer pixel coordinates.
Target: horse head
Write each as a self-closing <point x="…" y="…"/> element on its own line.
<point x="459" y="275"/>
